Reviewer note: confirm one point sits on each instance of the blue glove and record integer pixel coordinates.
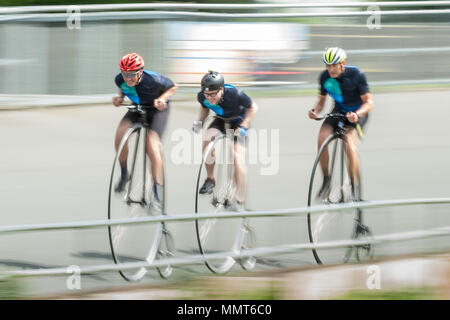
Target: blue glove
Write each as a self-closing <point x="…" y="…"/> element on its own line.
<point x="242" y="131"/>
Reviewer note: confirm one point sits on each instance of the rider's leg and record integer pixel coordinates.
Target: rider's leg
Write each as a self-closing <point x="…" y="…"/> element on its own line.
<point x="351" y="149"/>
<point x="240" y="172"/>
<point x="324" y="132"/>
<point x="211" y="160"/>
<point x="158" y="122"/>
<point x="124" y="125"/>
<point x="154" y="152"/>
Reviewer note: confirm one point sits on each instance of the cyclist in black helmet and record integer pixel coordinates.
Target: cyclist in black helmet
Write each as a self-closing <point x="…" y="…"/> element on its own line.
<point x="226" y="101"/>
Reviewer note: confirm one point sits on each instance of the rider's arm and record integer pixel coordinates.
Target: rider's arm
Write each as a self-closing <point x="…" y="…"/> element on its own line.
<point x="251" y="111"/>
<point x="168" y="93"/>
<point x="161" y="102"/>
<point x="366" y="106"/>
<point x="117" y="100"/>
<point x="203" y="110"/>
<point x="318" y="107"/>
<point x="203" y="113"/>
<point x="366" y="97"/>
<point x="249" y="105"/>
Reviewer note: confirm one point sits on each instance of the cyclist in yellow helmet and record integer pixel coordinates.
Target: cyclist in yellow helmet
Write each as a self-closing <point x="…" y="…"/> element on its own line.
<point x="347" y="85"/>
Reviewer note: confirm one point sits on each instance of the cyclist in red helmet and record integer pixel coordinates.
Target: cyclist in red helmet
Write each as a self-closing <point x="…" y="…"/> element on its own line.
<point x="149" y="89"/>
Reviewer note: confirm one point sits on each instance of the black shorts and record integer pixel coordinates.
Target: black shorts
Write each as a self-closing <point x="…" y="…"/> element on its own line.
<point x="334" y="122"/>
<point x="156" y="119"/>
<point x="219" y="124"/>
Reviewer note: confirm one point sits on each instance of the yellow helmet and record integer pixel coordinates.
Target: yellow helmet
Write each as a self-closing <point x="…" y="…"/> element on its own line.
<point x="334" y="55"/>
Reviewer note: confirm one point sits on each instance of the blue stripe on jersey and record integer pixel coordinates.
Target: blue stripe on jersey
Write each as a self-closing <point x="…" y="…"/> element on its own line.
<point x="130" y="92"/>
<point x="334" y="90"/>
<point x="214" y="107"/>
<point x="229" y="86"/>
<point x="150" y="73"/>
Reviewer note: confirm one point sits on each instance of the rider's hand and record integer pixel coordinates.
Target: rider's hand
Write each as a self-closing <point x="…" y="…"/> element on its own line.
<point x="197" y="126"/>
<point x="117" y="101"/>
<point x="352" y="117"/>
<point x="160" y="104"/>
<point x="240" y="131"/>
<point x="312" y="114"/>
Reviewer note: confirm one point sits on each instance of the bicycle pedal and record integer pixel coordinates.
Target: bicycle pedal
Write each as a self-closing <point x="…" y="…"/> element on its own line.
<point x="363" y="228"/>
<point x="215" y="202"/>
<point x="226" y="203"/>
<point x="145" y="204"/>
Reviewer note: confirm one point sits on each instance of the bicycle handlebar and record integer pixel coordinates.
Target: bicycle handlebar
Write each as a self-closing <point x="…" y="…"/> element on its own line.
<point x="130" y="105"/>
<point x="336" y="115"/>
<point x="229" y="118"/>
<point x="135" y="107"/>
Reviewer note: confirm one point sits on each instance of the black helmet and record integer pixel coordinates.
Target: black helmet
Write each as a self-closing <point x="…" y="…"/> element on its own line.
<point x="212" y="81"/>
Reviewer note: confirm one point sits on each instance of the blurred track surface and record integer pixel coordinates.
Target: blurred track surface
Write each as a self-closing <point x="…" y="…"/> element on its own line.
<point x="56" y="162"/>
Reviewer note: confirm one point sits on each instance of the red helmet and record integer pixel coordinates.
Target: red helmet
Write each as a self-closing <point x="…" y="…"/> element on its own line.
<point x="131" y="62"/>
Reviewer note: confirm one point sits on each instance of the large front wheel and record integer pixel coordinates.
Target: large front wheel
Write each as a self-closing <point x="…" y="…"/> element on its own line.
<point x="137" y="242"/>
<point x="216" y="236"/>
<point x="331" y="226"/>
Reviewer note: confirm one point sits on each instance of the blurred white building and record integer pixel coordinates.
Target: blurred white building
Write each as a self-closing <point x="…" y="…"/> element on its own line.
<point x="239" y="50"/>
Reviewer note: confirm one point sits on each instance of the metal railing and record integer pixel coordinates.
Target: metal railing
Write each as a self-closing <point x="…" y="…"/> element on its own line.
<point x="136" y="15"/>
<point x="154" y="11"/>
<point x="83" y="42"/>
<point x="218" y="6"/>
<point x="256" y="252"/>
<point x="301" y="211"/>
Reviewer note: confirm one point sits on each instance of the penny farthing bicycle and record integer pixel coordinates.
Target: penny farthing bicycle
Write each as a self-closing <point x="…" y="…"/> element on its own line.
<point x="222" y="235"/>
<point x="342" y="225"/>
<point x="137" y="242"/>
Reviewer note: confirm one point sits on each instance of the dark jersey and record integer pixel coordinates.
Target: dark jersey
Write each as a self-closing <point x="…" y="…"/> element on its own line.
<point x="345" y="90"/>
<point x="150" y="88"/>
<point x="234" y="102"/>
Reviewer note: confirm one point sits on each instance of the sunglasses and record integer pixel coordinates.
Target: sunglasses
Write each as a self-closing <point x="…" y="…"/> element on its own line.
<point x="129" y="74"/>
<point x="211" y="94"/>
